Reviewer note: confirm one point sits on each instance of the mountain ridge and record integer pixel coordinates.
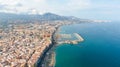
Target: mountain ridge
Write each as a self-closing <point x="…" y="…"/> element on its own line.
<point x="25" y="18"/>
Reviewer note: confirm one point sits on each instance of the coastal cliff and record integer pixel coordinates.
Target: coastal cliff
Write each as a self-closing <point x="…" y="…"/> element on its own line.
<point x="42" y="61"/>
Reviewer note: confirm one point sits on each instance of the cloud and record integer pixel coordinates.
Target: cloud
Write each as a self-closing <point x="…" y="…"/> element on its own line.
<point x="42" y="6"/>
<point x="2" y="6"/>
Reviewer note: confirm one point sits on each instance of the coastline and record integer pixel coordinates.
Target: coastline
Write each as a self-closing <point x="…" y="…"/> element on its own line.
<point x="90" y="49"/>
<point x="46" y="59"/>
<point x="50" y="59"/>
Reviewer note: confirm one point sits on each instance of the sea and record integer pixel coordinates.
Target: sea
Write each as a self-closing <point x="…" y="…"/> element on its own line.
<point x="100" y="48"/>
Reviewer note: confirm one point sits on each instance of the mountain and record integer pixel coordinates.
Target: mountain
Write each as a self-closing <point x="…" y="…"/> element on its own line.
<point x="25" y="18"/>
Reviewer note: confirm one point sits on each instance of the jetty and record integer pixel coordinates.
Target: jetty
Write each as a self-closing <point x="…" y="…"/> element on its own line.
<point x="74" y="38"/>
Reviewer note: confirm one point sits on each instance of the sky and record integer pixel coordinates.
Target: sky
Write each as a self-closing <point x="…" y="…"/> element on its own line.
<point x="86" y="9"/>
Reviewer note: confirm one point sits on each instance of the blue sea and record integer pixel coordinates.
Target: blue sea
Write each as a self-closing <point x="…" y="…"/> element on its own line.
<point x="100" y="48"/>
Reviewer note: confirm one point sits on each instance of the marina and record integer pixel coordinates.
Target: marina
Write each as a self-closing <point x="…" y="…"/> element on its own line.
<point x="74" y="38"/>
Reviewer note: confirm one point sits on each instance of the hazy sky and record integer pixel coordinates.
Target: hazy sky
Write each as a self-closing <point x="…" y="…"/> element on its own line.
<point x="90" y="9"/>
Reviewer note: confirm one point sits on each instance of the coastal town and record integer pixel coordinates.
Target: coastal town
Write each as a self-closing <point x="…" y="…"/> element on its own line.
<point x="59" y="33"/>
<point x="23" y="44"/>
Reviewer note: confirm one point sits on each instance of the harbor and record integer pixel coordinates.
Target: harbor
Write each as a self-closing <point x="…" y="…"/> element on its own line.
<point x="74" y="38"/>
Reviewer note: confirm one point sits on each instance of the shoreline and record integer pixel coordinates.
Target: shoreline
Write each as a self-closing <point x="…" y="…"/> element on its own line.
<point x="48" y="51"/>
<point x="48" y="58"/>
